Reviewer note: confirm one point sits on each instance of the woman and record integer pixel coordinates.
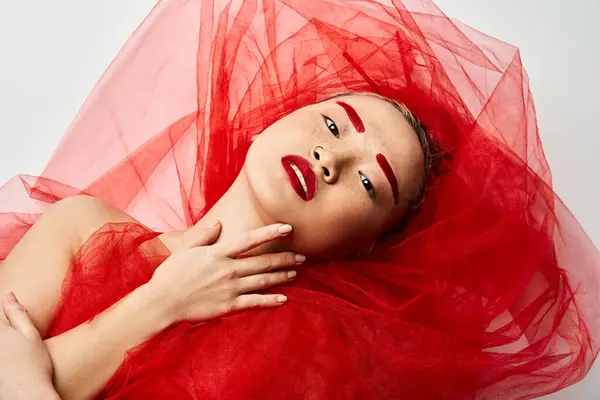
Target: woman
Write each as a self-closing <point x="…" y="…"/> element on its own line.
<point x="332" y="180"/>
<point x="487" y="292"/>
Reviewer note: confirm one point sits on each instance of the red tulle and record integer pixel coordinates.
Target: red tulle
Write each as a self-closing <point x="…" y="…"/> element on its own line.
<point x="491" y="290"/>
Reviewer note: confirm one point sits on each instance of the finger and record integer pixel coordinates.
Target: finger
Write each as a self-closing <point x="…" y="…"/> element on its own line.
<point x="255" y="238"/>
<point x="257" y="301"/>
<point x="18" y="317"/>
<point x="258" y="282"/>
<point x="202" y="235"/>
<point x="267" y="262"/>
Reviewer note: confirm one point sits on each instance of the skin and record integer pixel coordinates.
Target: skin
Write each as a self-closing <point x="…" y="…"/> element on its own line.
<point x="341" y="216"/>
<point x="205" y="266"/>
<point x="25" y="366"/>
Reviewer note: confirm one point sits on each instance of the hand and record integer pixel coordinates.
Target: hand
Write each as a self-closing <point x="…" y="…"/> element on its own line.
<point x="207" y="282"/>
<point x="25" y="365"/>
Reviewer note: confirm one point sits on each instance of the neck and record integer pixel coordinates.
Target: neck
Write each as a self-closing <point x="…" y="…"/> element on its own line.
<point x="238" y="214"/>
<point x="236" y="210"/>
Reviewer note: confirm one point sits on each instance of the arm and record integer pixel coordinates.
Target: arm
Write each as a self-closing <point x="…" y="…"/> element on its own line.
<point x="85" y="357"/>
<point x="25" y="366"/>
<point x="210" y="281"/>
<point x="36" y="267"/>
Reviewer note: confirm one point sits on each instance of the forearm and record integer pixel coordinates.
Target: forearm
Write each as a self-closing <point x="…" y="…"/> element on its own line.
<point x="85" y="357"/>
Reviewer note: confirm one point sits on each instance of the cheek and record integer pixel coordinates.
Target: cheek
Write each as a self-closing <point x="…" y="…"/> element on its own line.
<point x="335" y="227"/>
<point x="275" y="142"/>
<point x="267" y="180"/>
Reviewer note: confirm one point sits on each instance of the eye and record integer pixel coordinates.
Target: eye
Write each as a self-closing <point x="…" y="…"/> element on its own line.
<point x="332" y="126"/>
<point x="367" y="185"/>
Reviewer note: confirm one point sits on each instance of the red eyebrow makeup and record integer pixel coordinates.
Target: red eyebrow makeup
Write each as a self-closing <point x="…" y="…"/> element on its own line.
<point x="353" y="116"/>
<point x="389" y="174"/>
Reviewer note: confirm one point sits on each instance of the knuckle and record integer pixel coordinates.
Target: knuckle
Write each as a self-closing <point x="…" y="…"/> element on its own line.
<point x="253" y="303"/>
<point x="232" y="288"/>
<point x="15" y="308"/>
<point x="270" y="301"/>
<point x="264" y="281"/>
<point x="229" y="306"/>
<point x="214" y="250"/>
<point x="289" y="259"/>
<point x="232" y="273"/>
<point x="269" y="264"/>
<point x="282" y="260"/>
<point x="207" y="256"/>
<point x="253" y="237"/>
<point x="282" y="276"/>
<point x="211" y="254"/>
<point x="227" y="273"/>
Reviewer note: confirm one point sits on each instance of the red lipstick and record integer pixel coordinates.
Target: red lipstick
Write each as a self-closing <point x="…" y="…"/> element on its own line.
<point x="301" y="176"/>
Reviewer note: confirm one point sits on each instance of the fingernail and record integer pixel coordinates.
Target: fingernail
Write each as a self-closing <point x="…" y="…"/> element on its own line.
<point x="11" y="297"/>
<point x="285" y="228"/>
<point x="281" y="299"/>
<point x="291" y="274"/>
<point x="299" y="258"/>
<point x="214" y="224"/>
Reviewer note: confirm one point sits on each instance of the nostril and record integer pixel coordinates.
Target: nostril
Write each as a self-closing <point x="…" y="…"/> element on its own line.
<point x="325" y="171"/>
<point x="317" y="156"/>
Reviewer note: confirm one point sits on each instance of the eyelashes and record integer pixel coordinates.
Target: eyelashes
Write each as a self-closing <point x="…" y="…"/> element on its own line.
<point x="331" y="125"/>
<point x="367" y="185"/>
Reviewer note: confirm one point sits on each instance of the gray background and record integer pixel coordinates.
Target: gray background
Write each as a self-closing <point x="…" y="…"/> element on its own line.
<point x="53" y="52"/>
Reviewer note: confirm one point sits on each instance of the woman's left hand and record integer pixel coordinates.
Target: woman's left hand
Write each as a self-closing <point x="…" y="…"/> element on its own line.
<point x="25" y="365"/>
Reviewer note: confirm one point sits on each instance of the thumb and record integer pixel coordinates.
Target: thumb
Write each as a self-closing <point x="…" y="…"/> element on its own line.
<point x="202" y="235"/>
<point x="18" y="318"/>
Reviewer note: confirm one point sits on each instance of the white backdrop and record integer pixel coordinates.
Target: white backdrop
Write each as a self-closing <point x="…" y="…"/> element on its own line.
<point x="53" y="52"/>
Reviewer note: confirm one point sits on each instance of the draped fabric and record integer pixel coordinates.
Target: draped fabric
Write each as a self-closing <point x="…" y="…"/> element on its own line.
<point x="489" y="292"/>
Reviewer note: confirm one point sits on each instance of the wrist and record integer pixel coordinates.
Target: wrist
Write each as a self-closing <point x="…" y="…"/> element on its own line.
<point x="139" y="315"/>
<point x="153" y="310"/>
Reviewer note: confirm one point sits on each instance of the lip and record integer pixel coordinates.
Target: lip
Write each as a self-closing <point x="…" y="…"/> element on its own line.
<point x="307" y="173"/>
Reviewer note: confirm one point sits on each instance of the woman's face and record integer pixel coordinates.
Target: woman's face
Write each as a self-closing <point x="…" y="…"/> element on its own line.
<point x="340" y="172"/>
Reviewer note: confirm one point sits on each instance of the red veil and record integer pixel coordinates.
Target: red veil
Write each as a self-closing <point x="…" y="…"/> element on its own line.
<point x="489" y="292"/>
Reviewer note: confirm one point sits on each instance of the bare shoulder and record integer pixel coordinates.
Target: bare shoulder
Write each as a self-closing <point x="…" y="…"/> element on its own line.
<point x="36" y="266"/>
<point x="80" y="216"/>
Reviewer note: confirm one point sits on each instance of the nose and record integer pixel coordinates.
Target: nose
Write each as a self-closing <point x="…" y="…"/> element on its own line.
<point x="327" y="163"/>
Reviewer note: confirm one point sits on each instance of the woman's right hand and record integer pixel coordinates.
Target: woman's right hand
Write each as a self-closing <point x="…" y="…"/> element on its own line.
<point x="206" y="282"/>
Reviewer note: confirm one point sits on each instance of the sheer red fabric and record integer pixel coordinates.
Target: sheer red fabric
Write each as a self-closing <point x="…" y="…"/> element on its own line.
<point x="491" y="290"/>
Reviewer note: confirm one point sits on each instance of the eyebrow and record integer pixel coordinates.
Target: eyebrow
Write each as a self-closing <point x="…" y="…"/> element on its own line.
<point x="389" y="174"/>
<point x="381" y="160"/>
<point x="353" y="116"/>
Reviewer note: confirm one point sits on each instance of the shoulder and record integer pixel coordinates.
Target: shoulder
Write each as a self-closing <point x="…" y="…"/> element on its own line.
<point x="78" y="217"/>
<point x="92" y="209"/>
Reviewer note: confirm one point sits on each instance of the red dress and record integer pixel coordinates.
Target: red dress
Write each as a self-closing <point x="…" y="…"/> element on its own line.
<point x="424" y="316"/>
